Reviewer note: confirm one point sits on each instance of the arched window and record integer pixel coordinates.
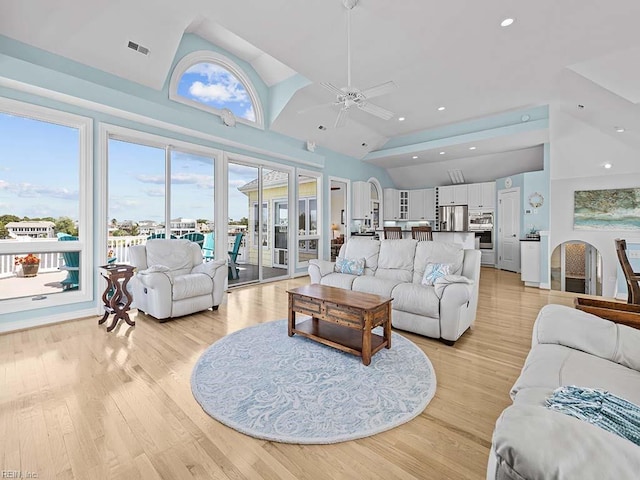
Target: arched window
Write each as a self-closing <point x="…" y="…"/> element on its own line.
<point x="212" y="82"/>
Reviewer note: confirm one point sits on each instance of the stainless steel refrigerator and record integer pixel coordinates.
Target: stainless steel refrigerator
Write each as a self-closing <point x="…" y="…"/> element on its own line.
<point x="454" y="218"/>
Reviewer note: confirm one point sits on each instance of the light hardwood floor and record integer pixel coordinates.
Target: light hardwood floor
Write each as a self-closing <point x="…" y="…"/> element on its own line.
<point x="76" y="402"/>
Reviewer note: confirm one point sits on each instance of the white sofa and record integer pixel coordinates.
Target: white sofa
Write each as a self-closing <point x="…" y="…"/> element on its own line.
<point x="394" y="268"/>
<point x="173" y="280"/>
<point x="570" y="347"/>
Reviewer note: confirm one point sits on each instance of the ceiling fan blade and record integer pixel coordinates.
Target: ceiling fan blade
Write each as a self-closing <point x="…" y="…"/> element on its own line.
<point x="315" y="107"/>
<point x="332" y="88"/>
<point x="378" y="90"/>
<point x="376" y="110"/>
<point x="342" y="117"/>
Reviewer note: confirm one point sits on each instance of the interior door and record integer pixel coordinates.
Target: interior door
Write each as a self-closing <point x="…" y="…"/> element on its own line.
<point x="509" y="230"/>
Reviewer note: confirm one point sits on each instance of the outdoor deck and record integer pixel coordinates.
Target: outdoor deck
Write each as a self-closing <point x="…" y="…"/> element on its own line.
<point x="45" y="283"/>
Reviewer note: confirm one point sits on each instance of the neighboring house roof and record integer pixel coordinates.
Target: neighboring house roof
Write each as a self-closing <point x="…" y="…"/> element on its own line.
<point x="36" y="224"/>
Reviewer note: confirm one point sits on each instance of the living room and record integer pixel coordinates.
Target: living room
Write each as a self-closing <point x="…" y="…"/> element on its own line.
<point x="544" y="105"/>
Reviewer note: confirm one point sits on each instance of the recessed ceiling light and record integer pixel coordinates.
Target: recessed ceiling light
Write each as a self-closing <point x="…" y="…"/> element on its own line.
<point x="619" y="129"/>
<point x="442" y="153"/>
<point x="506" y="22"/>
<point x="441" y="108"/>
<point x="401" y="119"/>
<point x="414" y="157"/>
<point x="472" y="148"/>
<point x="607" y="165"/>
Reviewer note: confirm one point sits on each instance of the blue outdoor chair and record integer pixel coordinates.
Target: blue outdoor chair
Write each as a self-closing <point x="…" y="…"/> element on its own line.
<point x="158" y="235"/>
<point x="71" y="263"/>
<point x="209" y="246"/>
<point x="234" y="271"/>
<point x="195" y="237"/>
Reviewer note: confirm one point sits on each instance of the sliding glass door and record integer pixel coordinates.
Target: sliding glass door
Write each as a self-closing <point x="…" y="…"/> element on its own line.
<point x="258" y="203"/>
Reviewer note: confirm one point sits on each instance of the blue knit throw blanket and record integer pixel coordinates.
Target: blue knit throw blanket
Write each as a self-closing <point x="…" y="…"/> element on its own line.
<point x="599" y="407"/>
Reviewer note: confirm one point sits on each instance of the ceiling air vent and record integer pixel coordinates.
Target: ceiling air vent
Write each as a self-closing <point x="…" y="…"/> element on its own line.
<point x="138" y="48"/>
<point x="456" y="176"/>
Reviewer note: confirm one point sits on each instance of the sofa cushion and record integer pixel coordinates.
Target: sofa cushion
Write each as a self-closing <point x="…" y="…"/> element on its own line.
<point x="396" y="260"/>
<point x="416" y="298"/>
<point x="375" y="285"/>
<point x="174" y="254"/>
<point x="558" y="324"/>
<point x="535" y="443"/>
<point x="359" y="247"/>
<point x="437" y="252"/>
<point x="353" y="266"/>
<point x="340" y="280"/>
<point x="551" y="366"/>
<point x="191" y="285"/>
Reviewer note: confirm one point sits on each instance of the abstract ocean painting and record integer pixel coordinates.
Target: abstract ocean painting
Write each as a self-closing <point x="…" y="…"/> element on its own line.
<point x="617" y="209"/>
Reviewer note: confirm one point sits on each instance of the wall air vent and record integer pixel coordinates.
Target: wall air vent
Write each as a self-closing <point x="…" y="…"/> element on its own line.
<point x="138" y="48"/>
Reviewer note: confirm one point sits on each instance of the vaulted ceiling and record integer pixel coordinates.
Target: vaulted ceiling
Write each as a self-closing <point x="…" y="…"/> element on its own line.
<point x="451" y="54"/>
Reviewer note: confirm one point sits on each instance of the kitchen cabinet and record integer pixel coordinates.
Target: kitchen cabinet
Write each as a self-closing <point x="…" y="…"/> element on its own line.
<point x="530" y="263"/>
<point x="391" y="204"/>
<point x="422" y="204"/>
<point x="482" y="195"/>
<point x="404" y="205"/>
<point x="361" y="200"/>
<point x="417" y="200"/>
<point x="488" y="257"/>
<point x="453" y="195"/>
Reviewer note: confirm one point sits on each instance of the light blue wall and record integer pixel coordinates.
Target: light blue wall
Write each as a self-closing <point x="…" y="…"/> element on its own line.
<point x="34" y="67"/>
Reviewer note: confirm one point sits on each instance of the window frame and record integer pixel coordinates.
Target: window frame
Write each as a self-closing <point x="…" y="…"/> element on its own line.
<point x="84" y="246"/>
<point x="204" y="56"/>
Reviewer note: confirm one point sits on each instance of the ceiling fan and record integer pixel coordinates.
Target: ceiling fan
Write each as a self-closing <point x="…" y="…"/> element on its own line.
<point x="350" y="96"/>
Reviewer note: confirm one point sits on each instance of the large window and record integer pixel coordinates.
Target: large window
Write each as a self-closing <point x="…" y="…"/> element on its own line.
<point x="158" y="190"/>
<point x="45" y="169"/>
<point x="213" y="83"/>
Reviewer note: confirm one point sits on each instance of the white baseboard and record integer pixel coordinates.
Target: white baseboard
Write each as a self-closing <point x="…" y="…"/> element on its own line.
<point x="49" y="319"/>
<point x="300" y="274"/>
<point x="545" y="286"/>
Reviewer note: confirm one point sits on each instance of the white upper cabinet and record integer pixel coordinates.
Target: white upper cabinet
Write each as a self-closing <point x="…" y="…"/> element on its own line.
<point x="453" y="195"/>
<point x="416" y="205"/>
<point x="482" y="195"/>
<point x="361" y="200"/>
<point x="422" y="204"/>
<point x="391" y="204"/>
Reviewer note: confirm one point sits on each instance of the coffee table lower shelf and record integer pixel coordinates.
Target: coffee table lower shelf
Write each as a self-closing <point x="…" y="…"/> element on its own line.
<point x="336" y="336"/>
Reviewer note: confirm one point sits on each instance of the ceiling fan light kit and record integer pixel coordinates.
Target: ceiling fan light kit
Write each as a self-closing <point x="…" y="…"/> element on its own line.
<point x="349" y="96"/>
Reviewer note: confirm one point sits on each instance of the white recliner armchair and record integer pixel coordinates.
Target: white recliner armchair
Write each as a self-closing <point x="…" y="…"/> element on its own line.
<point x="173" y="280"/>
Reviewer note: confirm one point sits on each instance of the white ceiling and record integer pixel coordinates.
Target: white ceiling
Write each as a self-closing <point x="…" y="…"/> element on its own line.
<point x="438" y="53"/>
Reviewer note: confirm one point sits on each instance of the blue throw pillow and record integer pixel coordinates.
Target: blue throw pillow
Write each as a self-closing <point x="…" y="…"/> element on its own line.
<point x="353" y="266"/>
<point x="433" y="271"/>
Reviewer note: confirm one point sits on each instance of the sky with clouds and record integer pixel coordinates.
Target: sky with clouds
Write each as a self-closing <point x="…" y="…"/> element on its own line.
<point x="216" y="87"/>
<point x="38" y="168"/>
<point x="39" y="176"/>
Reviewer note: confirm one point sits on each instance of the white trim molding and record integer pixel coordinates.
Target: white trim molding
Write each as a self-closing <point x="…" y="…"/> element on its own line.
<point x="204" y="56"/>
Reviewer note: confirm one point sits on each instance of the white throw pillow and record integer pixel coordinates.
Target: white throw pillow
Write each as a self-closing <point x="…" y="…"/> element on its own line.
<point x="433" y="271"/>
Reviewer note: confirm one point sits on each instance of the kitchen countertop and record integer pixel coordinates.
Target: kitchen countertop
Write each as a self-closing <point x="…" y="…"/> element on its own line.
<point x="436" y="231"/>
<point x="529" y="239"/>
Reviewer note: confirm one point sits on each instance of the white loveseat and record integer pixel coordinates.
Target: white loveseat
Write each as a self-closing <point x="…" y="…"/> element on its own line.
<point x="570" y="347"/>
<point x="172" y="280"/>
<point x="394" y="268"/>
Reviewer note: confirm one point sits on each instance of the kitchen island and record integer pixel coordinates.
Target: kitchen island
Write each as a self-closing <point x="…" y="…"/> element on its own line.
<point x="466" y="239"/>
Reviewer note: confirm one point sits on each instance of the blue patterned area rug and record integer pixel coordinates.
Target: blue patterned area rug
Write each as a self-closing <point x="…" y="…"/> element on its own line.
<point x="286" y="389"/>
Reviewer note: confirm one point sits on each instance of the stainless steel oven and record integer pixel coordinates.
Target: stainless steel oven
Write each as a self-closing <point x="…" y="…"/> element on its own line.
<point x="481" y="222"/>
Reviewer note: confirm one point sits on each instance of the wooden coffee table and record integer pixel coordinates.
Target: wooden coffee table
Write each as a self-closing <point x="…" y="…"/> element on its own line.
<point x="341" y="318"/>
